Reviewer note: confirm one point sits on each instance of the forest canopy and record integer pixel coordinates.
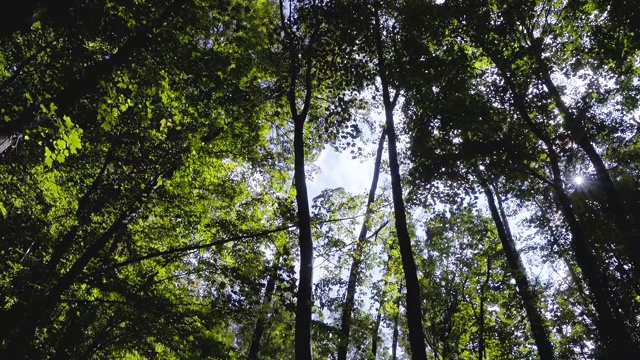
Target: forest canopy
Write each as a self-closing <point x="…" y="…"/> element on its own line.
<point x="155" y="158"/>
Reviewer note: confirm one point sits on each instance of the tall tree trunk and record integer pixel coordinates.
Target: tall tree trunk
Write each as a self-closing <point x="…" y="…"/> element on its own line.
<point x="481" y="320"/>
<point x="375" y="331"/>
<point x="396" y="325"/>
<point x="304" y="300"/>
<point x="528" y="295"/>
<point x="611" y="326"/>
<point x="413" y="303"/>
<point x="254" y="349"/>
<point x="354" y="272"/>
<point x="574" y="124"/>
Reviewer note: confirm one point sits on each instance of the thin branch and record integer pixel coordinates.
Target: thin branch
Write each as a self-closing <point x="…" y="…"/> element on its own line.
<point x="538" y="176"/>
<point x="375" y="233"/>
<point x="395" y="99"/>
<point x="214" y="243"/>
<point x="202" y="246"/>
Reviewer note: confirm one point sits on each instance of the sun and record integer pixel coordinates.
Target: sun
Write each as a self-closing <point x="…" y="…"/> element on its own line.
<point x="578" y="180"/>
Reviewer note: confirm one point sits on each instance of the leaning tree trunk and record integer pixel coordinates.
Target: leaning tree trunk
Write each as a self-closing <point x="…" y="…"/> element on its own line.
<point x="354" y="272"/>
<point x="574" y="124"/>
<point x="527" y="295"/>
<point x="611" y="326"/>
<point x="413" y="303"/>
<point x="254" y="348"/>
<point x="612" y="330"/>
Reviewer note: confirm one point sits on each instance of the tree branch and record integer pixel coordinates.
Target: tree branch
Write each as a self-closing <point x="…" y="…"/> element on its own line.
<point x="214" y="243"/>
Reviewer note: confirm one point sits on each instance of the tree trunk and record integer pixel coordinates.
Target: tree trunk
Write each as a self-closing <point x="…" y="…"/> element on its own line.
<point x="304" y="301"/>
<point x="354" y="272"/>
<point x="574" y="124"/>
<point x="481" y="320"/>
<point x="528" y="295"/>
<point x="396" y="320"/>
<point x="611" y="327"/>
<point x="254" y="349"/>
<point x="374" y="333"/>
<point x="413" y="304"/>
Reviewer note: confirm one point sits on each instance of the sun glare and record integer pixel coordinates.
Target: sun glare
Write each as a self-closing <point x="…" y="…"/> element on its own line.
<point x="578" y="180"/>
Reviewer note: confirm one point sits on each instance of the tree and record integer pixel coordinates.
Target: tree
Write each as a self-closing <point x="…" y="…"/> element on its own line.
<point x="347" y="307"/>
<point x="303" y="66"/>
<point x="528" y="295"/>
<point x="414" y="306"/>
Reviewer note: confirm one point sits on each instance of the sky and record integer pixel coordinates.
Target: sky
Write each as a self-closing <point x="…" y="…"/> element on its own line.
<point x="340" y="170"/>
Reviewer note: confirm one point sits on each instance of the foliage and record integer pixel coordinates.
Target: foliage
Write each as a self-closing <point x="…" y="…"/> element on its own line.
<point x="150" y="198"/>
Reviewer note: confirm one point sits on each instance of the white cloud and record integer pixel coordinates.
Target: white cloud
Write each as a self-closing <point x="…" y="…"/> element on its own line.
<point x="341" y="170"/>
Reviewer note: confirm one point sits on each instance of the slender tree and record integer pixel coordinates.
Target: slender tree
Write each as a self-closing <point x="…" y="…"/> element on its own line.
<point x="301" y="64"/>
<point x="612" y="329"/>
<point x="396" y="326"/>
<point x="414" y="305"/>
<point x="526" y="293"/>
<point x="481" y="313"/>
<point x="354" y="272"/>
<point x="256" y="338"/>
